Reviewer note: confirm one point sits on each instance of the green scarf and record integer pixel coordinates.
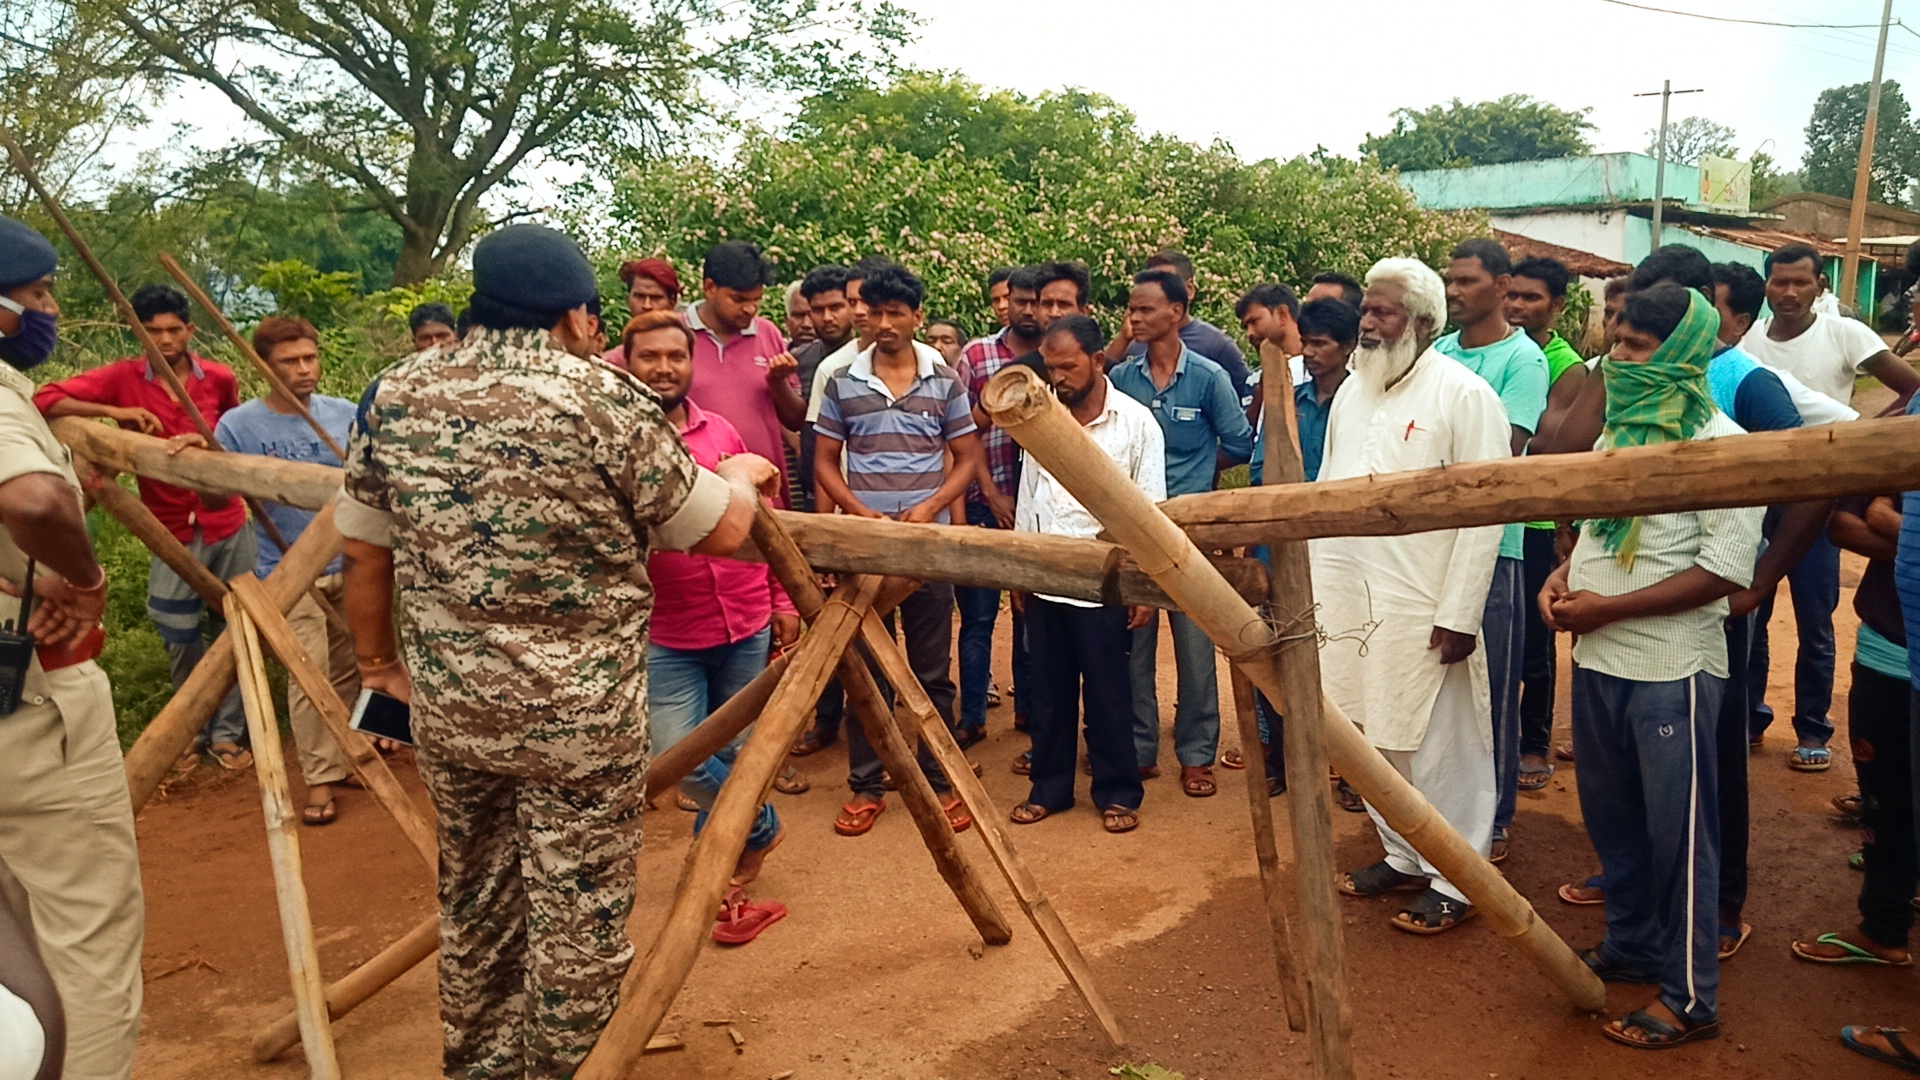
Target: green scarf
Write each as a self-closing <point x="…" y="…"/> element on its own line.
<point x="1663" y="400"/>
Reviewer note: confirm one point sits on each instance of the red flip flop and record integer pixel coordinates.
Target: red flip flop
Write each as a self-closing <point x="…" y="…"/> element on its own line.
<point x="742" y="920"/>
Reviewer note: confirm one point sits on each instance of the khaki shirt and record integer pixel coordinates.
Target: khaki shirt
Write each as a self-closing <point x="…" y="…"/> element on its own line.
<point x="27" y="446"/>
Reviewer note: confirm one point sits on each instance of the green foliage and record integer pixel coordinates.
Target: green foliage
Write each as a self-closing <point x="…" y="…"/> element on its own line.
<point x="397" y="303"/>
<point x="321" y="298"/>
<point x="1769" y="182"/>
<point x="1572" y="323"/>
<point x="1516" y="127"/>
<point x="135" y="659"/>
<point x="1692" y="138"/>
<point x="1833" y="144"/>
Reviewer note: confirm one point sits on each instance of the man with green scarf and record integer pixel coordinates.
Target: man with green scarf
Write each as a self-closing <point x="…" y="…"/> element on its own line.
<point x="1646" y="597"/>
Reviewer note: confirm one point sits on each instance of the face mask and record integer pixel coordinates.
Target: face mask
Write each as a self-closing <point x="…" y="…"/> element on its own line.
<point x="34" y="342"/>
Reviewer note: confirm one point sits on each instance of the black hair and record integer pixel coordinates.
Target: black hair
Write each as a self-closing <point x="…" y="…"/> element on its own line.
<point x="1350" y="288"/>
<point x="997" y="275"/>
<point x="1060" y="270"/>
<point x="958" y="330"/>
<point x="431" y="312"/>
<point x="1336" y="319"/>
<point x="737" y="264"/>
<point x="823" y="279"/>
<point x="1270" y="296"/>
<point x="864" y="269"/>
<point x="1677" y="263"/>
<point x="1024" y="279"/>
<point x="1491" y="253"/>
<point x="1549" y="272"/>
<point x="1616" y="286"/>
<point x="498" y="315"/>
<point x="151" y="301"/>
<point x="1913" y="259"/>
<point x="1169" y="282"/>
<point x="1657" y="310"/>
<point x="893" y="283"/>
<point x="1177" y="260"/>
<point x="1746" y="289"/>
<point x="1793" y="253"/>
<point x="1082" y="329"/>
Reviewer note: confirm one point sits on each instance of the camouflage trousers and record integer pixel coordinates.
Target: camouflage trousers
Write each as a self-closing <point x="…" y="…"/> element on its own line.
<point x="536" y="884"/>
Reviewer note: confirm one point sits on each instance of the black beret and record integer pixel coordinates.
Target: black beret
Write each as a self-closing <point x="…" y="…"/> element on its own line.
<point x="25" y="255"/>
<point x="533" y="267"/>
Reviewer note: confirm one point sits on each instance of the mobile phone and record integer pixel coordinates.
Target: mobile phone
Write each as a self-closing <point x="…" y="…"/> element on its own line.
<point x="383" y="717"/>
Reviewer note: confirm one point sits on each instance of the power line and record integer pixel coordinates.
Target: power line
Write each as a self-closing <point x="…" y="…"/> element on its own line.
<point x="1760" y="22"/>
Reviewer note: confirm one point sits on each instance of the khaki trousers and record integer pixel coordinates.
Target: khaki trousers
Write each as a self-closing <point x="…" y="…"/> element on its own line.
<point x="321" y="759"/>
<point x="66" y="830"/>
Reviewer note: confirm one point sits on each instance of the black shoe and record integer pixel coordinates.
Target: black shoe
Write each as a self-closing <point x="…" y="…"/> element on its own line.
<point x="968" y="735"/>
<point x="1611" y="972"/>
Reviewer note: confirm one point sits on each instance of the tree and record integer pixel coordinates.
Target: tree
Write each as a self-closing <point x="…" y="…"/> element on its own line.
<point x="1691" y="139"/>
<point x="66" y="85"/>
<point x="1833" y="144"/>
<point x="1516" y="127"/>
<point x="428" y="108"/>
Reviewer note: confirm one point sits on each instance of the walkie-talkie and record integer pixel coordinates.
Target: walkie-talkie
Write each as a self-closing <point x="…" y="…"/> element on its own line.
<point x="16" y="650"/>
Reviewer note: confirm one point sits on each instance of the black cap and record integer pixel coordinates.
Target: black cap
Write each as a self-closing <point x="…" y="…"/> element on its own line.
<point x="533" y="267"/>
<point x="25" y="255"/>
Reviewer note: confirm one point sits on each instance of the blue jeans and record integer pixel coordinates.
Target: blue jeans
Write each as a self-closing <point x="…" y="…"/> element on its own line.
<point x="683" y="686"/>
<point x="1814" y="583"/>
<point x="1196" y="716"/>
<point x="1504" y="629"/>
<point x="979" y="609"/>
<point x="1649" y="792"/>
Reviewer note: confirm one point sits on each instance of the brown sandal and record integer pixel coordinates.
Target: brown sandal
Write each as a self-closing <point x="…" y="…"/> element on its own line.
<point x="1197" y="781"/>
<point x="812" y="743"/>
<point x="1028" y="812"/>
<point x="790" y="782"/>
<point x="1232" y="759"/>
<point x="1119" y="819"/>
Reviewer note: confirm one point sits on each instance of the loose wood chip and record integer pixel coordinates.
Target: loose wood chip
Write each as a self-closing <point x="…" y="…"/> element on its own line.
<point x="666" y="1040"/>
<point x="739" y="1040"/>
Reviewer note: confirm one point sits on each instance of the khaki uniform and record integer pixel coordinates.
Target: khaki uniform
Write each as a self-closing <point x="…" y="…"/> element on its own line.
<point x="321" y="759"/>
<point x="520" y="489"/>
<point x="66" y="821"/>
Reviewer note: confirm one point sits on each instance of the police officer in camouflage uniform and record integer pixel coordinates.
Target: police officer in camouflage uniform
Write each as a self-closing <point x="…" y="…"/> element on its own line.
<point x="509" y="493"/>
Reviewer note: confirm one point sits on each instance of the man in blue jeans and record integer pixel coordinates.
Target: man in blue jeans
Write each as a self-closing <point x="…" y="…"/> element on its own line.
<point x="1201" y="418"/>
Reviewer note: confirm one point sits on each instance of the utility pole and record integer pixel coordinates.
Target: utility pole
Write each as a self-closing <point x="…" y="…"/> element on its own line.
<point x="1863" y="175"/>
<point x="1666" y="93"/>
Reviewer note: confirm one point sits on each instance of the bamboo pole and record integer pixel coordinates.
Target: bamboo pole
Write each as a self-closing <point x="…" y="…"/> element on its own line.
<point x="171" y="732"/>
<point x="1022" y="405"/>
<point x="245" y="349"/>
<point x="356" y="986"/>
<point x="869" y="709"/>
<point x="649" y="987"/>
<point x="1303" y="734"/>
<point x="294" y="483"/>
<point x="1266" y="852"/>
<point x="365" y="762"/>
<point x="283" y="845"/>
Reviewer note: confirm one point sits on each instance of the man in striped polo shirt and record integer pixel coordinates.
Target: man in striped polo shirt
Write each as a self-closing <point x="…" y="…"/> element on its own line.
<point x="885" y="425"/>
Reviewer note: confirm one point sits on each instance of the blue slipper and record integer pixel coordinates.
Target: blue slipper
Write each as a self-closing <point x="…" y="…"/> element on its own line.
<point x="1810" y="759"/>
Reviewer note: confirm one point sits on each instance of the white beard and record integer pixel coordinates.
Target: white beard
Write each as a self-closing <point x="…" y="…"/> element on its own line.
<point x="1384" y="364"/>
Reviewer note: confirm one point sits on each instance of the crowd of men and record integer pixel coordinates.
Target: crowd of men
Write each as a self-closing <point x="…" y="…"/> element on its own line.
<point x="533" y="504"/>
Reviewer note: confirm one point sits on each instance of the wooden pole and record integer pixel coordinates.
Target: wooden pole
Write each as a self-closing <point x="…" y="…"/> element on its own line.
<point x="1022" y="405"/>
<point x="245" y="349"/>
<point x="295" y="483"/>
<point x="283" y="845"/>
<point x="129" y="511"/>
<point x="869" y="709"/>
<point x="356" y="986"/>
<point x="171" y="732"/>
<point x="1266" y="851"/>
<point x="1863" y="173"/>
<point x="650" y="985"/>
<point x="1303" y="734"/>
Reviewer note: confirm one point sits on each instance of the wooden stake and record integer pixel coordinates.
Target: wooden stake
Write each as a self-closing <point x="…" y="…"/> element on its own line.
<point x="650" y="985"/>
<point x="129" y="511"/>
<point x="869" y="709"/>
<point x="365" y="762"/>
<point x="295" y="483"/>
<point x="355" y="986"/>
<point x="1303" y="734"/>
<point x="171" y="732"/>
<point x="283" y="845"/>
<point x="1266" y="851"/>
<point x="245" y="348"/>
<point x="1022" y="405"/>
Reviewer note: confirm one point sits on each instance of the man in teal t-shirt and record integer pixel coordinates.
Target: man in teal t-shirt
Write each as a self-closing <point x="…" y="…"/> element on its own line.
<point x="1477" y="281"/>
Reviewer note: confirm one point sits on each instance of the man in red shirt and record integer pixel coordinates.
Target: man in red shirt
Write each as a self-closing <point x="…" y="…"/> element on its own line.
<point x="213" y="529"/>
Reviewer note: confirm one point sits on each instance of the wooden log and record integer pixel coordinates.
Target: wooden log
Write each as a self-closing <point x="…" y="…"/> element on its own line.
<point x="129" y="511"/>
<point x="1861" y="458"/>
<point x="283" y="845"/>
<point x="649" y="987"/>
<point x="245" y="348"/>
<point x="1266" y="851"/>
<point x="917" y="711"/>
<point x="356" y="986"/>
<point x="294" y="483"/>
<point x="869" y="709"/>
<point x="1309" y="800"/>
<point x="1022" y="405"/>
<point x="171" y="732"/>
<point x="365" y="762"/>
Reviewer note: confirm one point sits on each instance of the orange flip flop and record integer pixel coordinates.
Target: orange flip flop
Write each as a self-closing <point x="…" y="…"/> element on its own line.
<point x="957" y="814"/>
<point x="742" y="920"/>
<point x="856" y="819"/>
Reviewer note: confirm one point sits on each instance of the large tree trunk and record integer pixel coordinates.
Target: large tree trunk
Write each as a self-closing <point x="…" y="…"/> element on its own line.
<point x="417" y="260"/>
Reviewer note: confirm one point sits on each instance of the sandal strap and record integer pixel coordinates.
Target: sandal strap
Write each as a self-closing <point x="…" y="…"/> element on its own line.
<point x="1652" y="1025"/>
<point x="1847" y="947"/>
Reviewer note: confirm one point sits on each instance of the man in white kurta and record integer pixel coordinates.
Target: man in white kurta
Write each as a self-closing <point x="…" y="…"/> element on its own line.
<point x="1403" y="613"/>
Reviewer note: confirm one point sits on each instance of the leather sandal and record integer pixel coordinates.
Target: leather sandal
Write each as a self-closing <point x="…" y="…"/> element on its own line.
<point x="1197" y="781"/>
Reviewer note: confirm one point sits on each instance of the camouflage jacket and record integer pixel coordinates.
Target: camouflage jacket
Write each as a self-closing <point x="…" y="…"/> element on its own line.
<point x="520" y="489"/>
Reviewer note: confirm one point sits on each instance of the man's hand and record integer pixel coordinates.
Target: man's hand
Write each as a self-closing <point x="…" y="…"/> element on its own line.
<point x="1002" y="508"/>
<point x="782" y="367"/>
<point x="1552" y="593"/>
<point x="1454" y="646"/>
<point x="1018" y="601"/>
<point x="786" y="629"/>
<point x="390" y="679"/>
<point x="1747" y="601"/>
<point x="1139" y="617"/>
<point x="1580" y="612"/>
<point x="921" y="513"/>
<point x="192" y="440"/>
<point x="140" y="420"/>
<point x="752" y="470"/>
<point x="63" y="614"/>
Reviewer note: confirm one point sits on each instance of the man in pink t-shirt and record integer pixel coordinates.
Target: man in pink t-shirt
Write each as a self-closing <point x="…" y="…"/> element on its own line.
<point x="740" y="360"/>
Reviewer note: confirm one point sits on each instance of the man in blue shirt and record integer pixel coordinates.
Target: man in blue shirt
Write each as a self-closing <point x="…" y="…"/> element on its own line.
<point x="1201" y="336"/>
<point x="273" y="426"/>
<point x="1329" y="331"/>
<point x="1200" y="414"/>
<point x="1512" y="363"/>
